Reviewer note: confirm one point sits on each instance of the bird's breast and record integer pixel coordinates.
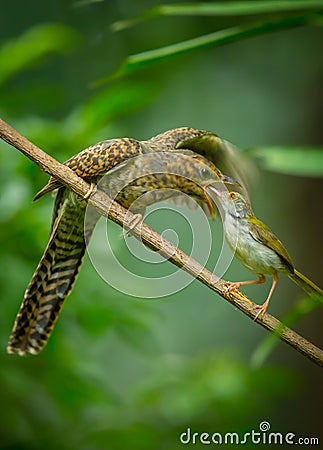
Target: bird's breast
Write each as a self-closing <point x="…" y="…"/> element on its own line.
<point x="257" y="257"/>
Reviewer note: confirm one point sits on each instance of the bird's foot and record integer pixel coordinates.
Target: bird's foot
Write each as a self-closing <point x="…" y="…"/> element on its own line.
<point x="91" y="191"/>
<point x="232" y="286"/>
<point x="261" y="312"/>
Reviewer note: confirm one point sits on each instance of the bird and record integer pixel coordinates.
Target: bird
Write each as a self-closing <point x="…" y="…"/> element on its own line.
<point x="228" y="158"/>
<point x="256" y="246"/>
<point x="148" y="178"/>
<point x="55" y="275"/>
<point x="97" y="159"/>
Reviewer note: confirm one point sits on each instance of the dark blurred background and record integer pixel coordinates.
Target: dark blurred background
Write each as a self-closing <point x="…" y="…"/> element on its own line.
<point x="125" y="372"/>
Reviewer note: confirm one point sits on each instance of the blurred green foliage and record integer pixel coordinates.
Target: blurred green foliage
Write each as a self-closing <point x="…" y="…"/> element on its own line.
<point x="282" y="17"/>
<point x="31" y="47"/>
<point x="120" y="371"/>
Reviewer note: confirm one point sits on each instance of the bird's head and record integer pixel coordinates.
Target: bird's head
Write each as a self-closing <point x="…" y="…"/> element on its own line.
<point x="197" y="172"/>
<point x="233" y="203"/>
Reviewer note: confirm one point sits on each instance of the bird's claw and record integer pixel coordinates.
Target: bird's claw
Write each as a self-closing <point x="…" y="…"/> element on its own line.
<point x="91" y="191"/>
<point x="261" y="312"/>
<point x="232" y="286"/>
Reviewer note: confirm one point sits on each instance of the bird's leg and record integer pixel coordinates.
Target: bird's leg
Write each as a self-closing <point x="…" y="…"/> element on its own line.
<point x="263" y="308"/>
<point x="232" y="286"/>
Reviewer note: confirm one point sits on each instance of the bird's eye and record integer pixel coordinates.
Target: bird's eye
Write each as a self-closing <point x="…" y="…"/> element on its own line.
<point x="205" y="172"/>
<point x="233" y="195"/>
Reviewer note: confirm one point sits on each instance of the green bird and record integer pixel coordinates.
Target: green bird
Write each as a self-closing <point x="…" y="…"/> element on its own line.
<point x="142" y="170"/>
<point x="256" y="246"/>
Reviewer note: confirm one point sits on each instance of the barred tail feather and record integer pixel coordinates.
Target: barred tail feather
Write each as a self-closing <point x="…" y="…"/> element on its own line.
<point x="307" y="285"/>
<point x="53" y="279"/>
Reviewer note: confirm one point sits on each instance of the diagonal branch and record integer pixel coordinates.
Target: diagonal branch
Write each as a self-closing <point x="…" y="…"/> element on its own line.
<point x="154" y="241"/>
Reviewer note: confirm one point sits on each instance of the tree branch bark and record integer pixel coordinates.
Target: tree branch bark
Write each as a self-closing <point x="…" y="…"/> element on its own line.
<point x="154" y="241"/>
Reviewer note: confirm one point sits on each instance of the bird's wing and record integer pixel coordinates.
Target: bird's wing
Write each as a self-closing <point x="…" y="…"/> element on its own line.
<point x="174" y="138"/>
<point x="263" y="234"/>
<point x="96" y="160"/>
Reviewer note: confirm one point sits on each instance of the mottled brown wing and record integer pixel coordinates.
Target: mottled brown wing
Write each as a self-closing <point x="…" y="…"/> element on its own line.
<point x="172" y="139"/>
<point x="97" y="159"/>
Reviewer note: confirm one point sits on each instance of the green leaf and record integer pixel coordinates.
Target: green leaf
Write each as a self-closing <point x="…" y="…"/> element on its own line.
<point x="217" y="38"/>
<point x="117" y="101"/>
<point x="289" y="160"/>
<point x="28" y="49"/>
<point x="220" y="9"/>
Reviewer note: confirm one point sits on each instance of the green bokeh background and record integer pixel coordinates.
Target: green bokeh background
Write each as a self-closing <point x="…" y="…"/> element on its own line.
<point x="125" y="372"/>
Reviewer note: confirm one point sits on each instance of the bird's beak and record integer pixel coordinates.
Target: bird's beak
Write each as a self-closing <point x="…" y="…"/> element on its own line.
<point x="228" y="180"/>
<point x="210" y="190"/>
<point x="209" y="202"/>
<point x="212" y="194"/>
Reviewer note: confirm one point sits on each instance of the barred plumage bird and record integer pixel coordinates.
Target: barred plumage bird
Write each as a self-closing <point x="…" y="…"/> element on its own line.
<point x="163" y="166"/>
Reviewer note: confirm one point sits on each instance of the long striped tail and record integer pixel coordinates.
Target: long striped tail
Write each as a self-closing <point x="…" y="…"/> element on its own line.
<point x="307" y="285"/>
<point x="54" y="277"/>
